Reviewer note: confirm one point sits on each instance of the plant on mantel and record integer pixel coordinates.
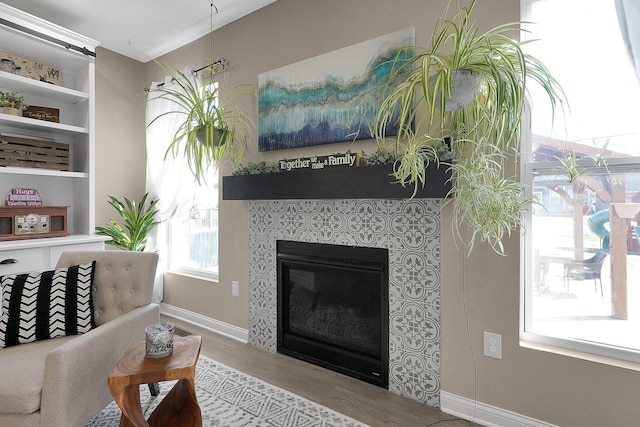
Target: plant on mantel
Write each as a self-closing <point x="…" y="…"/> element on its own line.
<point x="484" y="129"/>
<point x="382" y="156"/>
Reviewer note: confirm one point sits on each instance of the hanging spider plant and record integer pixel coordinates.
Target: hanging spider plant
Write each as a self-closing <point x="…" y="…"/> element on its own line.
<point x="213" y="127"/>
<point x="500" y="67"/>
<point x="412" y="163"/>
<point x="489" y="203"/>
<point x="484" y="131"/>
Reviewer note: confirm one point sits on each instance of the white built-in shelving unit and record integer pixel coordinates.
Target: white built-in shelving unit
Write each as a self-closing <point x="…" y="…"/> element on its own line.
<point x="75" y="99"/>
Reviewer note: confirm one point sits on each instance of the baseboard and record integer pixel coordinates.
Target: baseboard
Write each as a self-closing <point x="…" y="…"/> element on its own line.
<point x="205" y="322"/>
<point x="484" y="414"/>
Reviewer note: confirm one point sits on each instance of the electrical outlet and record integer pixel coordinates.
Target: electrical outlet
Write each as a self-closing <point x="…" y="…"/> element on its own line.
<point x="493" y="345"/>
<point x="235" y="289"/>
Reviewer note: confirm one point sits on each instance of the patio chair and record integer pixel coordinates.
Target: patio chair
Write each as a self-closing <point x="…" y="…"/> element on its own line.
<point x="585" y="269"/>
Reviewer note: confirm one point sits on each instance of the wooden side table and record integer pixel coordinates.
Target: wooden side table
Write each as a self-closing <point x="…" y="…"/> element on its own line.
<point x="180" y="406"/>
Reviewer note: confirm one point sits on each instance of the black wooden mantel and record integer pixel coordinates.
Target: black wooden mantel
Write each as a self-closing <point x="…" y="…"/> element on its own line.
<point x="364" y="182"/>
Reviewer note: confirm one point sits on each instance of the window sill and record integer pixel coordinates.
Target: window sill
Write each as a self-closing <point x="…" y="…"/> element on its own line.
<point x="583" y="355"/>
<point x="202" y="277"/>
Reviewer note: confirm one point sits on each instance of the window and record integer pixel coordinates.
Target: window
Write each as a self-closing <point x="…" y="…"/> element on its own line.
<point x="193" y="231"/>
<point x="581" y="255"/>
<point x="193" y="234"/>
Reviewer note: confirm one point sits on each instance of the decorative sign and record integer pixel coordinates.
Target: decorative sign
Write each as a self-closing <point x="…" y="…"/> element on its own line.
<point x="42" y="113"/>
<point x="23" y="197"/>
<point x="320" y="162"/>
<point x="24" y="67"/>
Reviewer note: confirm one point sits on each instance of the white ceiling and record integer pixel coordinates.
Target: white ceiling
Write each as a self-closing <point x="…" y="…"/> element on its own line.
<point x="139" y="29"/>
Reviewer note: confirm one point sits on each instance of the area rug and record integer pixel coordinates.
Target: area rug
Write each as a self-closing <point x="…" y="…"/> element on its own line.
<point x="229" y="398"/>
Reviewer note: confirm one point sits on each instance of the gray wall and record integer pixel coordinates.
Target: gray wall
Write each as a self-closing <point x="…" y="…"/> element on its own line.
<point x="120" y="134"/>
<point x="479" y="293"/>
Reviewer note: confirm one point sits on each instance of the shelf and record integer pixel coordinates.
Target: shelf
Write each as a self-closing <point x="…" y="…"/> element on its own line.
<point x="41" y="125"/>
<point x="364" y="182"/>
<point x="34" y="39"/>
<point x="28" y="86"/>
<point x="11" y="170"/>
<point x="74" y="239"/>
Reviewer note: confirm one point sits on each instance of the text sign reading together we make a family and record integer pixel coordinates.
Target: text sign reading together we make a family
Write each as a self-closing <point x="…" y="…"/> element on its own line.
<point x="320" y="162"/>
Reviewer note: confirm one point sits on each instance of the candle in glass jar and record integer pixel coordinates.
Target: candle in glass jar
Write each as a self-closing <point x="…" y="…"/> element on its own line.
<point x="159" y="340"/>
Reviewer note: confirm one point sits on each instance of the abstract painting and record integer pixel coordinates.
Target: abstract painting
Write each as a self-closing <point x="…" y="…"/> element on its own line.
<point x="329" y="98"/>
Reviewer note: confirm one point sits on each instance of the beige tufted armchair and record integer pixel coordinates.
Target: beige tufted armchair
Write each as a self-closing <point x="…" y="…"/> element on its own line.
<point x="62" y="382"/>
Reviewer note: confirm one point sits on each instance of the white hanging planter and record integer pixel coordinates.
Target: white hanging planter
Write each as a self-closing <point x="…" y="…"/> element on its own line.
<point x="465" y="85"/>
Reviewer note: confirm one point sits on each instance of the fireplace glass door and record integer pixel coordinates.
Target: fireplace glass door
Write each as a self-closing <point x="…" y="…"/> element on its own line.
<point x="333" y="307"/>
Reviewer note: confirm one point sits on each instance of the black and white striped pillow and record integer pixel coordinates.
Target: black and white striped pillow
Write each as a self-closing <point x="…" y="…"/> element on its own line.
<point x="42" y="305"/>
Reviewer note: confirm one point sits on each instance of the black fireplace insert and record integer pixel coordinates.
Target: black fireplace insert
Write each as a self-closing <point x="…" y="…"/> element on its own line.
<point x="333" y="307"/>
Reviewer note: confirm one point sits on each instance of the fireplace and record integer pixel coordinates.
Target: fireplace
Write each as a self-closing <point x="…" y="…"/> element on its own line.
<point x="410" y="229"/>
<point x="333" y="307"/>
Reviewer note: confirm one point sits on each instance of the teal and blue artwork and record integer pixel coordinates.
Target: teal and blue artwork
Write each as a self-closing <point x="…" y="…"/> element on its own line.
<point x="329" y="98"/>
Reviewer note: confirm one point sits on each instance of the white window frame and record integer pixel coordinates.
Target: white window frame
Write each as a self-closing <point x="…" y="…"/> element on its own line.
<point x="174" y="267"/>
<point x="529" y="339"/>
<point x="570" y="347"/>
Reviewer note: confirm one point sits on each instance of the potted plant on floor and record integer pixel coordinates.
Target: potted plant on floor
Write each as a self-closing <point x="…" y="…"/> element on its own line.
<point x="12" y="103"/>
<point x="139" y="221"/>
<point x="213" y="127"/>
<point x="484" y="131"/>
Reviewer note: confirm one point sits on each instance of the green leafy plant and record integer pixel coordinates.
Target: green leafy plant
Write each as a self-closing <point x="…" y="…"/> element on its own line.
<point x="489" y="203"/>
<point x="381" y="156"/>
<point x="13" y="100"/>
<point x="139" y="221"/>
<point x="484" y="133"/>
<point x="575" y="166"/>
<point x="411" y="165"/>
<point x="256" y="168"/>
<point x="213" y="127"/>
<point x="569" y="162"/>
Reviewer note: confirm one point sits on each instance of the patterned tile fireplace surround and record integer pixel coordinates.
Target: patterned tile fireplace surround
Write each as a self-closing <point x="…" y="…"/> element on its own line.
<point x="410" y="229"/>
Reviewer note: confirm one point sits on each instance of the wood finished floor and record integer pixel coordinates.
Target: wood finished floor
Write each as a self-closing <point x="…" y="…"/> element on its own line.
<point x="359" y="400"/>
